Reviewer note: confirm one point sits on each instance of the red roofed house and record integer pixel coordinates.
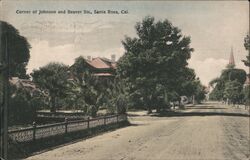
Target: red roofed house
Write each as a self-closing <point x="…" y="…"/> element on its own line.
<point x="102" y="67"/>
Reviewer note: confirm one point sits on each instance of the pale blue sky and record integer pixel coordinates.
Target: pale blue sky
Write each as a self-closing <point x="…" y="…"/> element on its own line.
<point x="213" y="26"/>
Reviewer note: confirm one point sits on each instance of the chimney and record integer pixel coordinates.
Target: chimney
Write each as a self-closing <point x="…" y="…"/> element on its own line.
<point x="113" y="57"/>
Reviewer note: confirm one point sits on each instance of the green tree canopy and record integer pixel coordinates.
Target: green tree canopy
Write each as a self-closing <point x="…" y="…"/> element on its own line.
<point x="200" y="92"/>
<point x="247" y="46"/>
<point x="221" y="84"/>
<point x="233" y="90"/>
<point x="85" y="89"/>
<point x="234" y="74"/>
<point x="78" y="69"/>
<point x="17" y="48"/>
<point x="157" y="57"/>
<point x="52" y="79"/>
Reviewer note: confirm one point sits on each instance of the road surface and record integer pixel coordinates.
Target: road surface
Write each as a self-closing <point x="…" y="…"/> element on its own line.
<point x="210" y="131"/>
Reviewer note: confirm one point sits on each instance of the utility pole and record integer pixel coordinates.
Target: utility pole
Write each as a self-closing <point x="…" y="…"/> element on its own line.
<point x="4" y="77"/>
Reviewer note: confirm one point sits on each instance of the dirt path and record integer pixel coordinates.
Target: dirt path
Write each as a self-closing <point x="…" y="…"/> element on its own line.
<point x="206" y="132"/>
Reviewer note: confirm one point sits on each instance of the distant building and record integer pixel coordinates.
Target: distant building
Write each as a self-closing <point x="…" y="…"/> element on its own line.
<point x="102" y="67"/>
<point x="232" y="63"/>
<point x="23" y="83"/>
<point x="231" y="59"/>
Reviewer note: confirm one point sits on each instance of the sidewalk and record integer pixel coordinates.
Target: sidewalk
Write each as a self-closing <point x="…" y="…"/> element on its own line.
<point x="241" y="106"/>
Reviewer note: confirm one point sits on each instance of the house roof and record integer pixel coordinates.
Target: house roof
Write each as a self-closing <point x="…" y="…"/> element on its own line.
<point x="101" y="66"/>
<point x="22" y="83"/>
<point x="102" y="63"/>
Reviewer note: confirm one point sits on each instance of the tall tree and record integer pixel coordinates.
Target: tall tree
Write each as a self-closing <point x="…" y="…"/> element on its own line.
<point x="52" y="79"/>
<point x="227" y="75"/>
<point x="247" y="46"/>
<point x="17" y="48"/>
<point x="234" y="74"/>
<point x="84" y="87"/>
<point x="233" y="91"/>
<point x="116" y="97"/>
<point x="246" y="90"/>
<point x="156" y="57"/>
<point x="200" y="91"/>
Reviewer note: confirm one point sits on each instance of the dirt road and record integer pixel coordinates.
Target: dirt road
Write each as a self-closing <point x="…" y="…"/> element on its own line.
<point x="206" y="132"/>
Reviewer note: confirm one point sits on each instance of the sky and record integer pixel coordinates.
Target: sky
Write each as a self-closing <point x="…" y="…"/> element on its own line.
<point x="214" y="27"/>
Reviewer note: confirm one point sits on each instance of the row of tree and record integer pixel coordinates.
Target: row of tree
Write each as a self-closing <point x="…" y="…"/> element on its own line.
<point x="77" y="88"/>
<point x="229" y="87"/>
<point x="14" y="56"/>
<point x="152" y="73"/>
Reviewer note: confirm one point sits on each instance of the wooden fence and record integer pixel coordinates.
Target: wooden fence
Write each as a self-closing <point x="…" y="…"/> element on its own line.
<point x="37" y="132"/>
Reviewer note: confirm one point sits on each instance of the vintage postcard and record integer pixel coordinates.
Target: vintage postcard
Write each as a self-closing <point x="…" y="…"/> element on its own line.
<point x="124" y="80"/>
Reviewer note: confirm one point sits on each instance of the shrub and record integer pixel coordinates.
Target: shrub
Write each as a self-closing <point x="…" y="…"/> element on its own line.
<point x="23" y="106"/>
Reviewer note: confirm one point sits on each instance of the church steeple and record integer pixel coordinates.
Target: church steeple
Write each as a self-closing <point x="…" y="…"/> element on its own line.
<point x="231" y="59"/>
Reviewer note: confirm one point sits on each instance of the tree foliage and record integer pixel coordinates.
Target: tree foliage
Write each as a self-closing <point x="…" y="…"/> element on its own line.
<point x="247" y="46"/>
<point x="246" y="90"/>
<point x="88" y="92"/>
<point x="233" y="91"/>
<point x="227" y="79"/>
<point x="246" y="93"/>
<point x="52" y="79"/>
<point x="14" y="49"/>
<point x="17" y="48"/>
<point x="98" y="92"/>
<point x="23" y="105"/>
<point x="199" y="91"/>
<point x="116" y="97"/>
<point x="155" y="62"/>
<point x="234" y="74"/>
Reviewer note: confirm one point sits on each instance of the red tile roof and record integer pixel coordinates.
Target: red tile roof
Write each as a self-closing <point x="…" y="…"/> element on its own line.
<point x="102" y="63"/>
<point x="99" y="63"/>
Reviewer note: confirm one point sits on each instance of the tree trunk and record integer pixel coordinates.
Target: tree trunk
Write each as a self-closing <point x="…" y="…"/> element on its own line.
<point x="53" y="104"/>
<point x="149" y="110"/>
<point x="149" y="102"/>
<point x="193" y="99"/>
<point x="158" y="109"/>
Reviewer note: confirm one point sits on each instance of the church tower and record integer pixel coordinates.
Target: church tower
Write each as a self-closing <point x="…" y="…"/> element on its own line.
<point x="231" y="59"/>
<point x="231" y="63"/>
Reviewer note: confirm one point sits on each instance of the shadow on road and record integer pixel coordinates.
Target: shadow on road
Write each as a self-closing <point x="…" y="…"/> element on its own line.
<point x="205" y="108"/>
<point x="184" y="114"/>
<point x="24" y="150"/>
<point x="135" y="115"/>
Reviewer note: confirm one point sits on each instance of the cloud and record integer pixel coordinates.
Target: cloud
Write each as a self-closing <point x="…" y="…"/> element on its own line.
<point x="42" y="53"/>
<point x="210" y="68"/>
<point x="59" y="26"/>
